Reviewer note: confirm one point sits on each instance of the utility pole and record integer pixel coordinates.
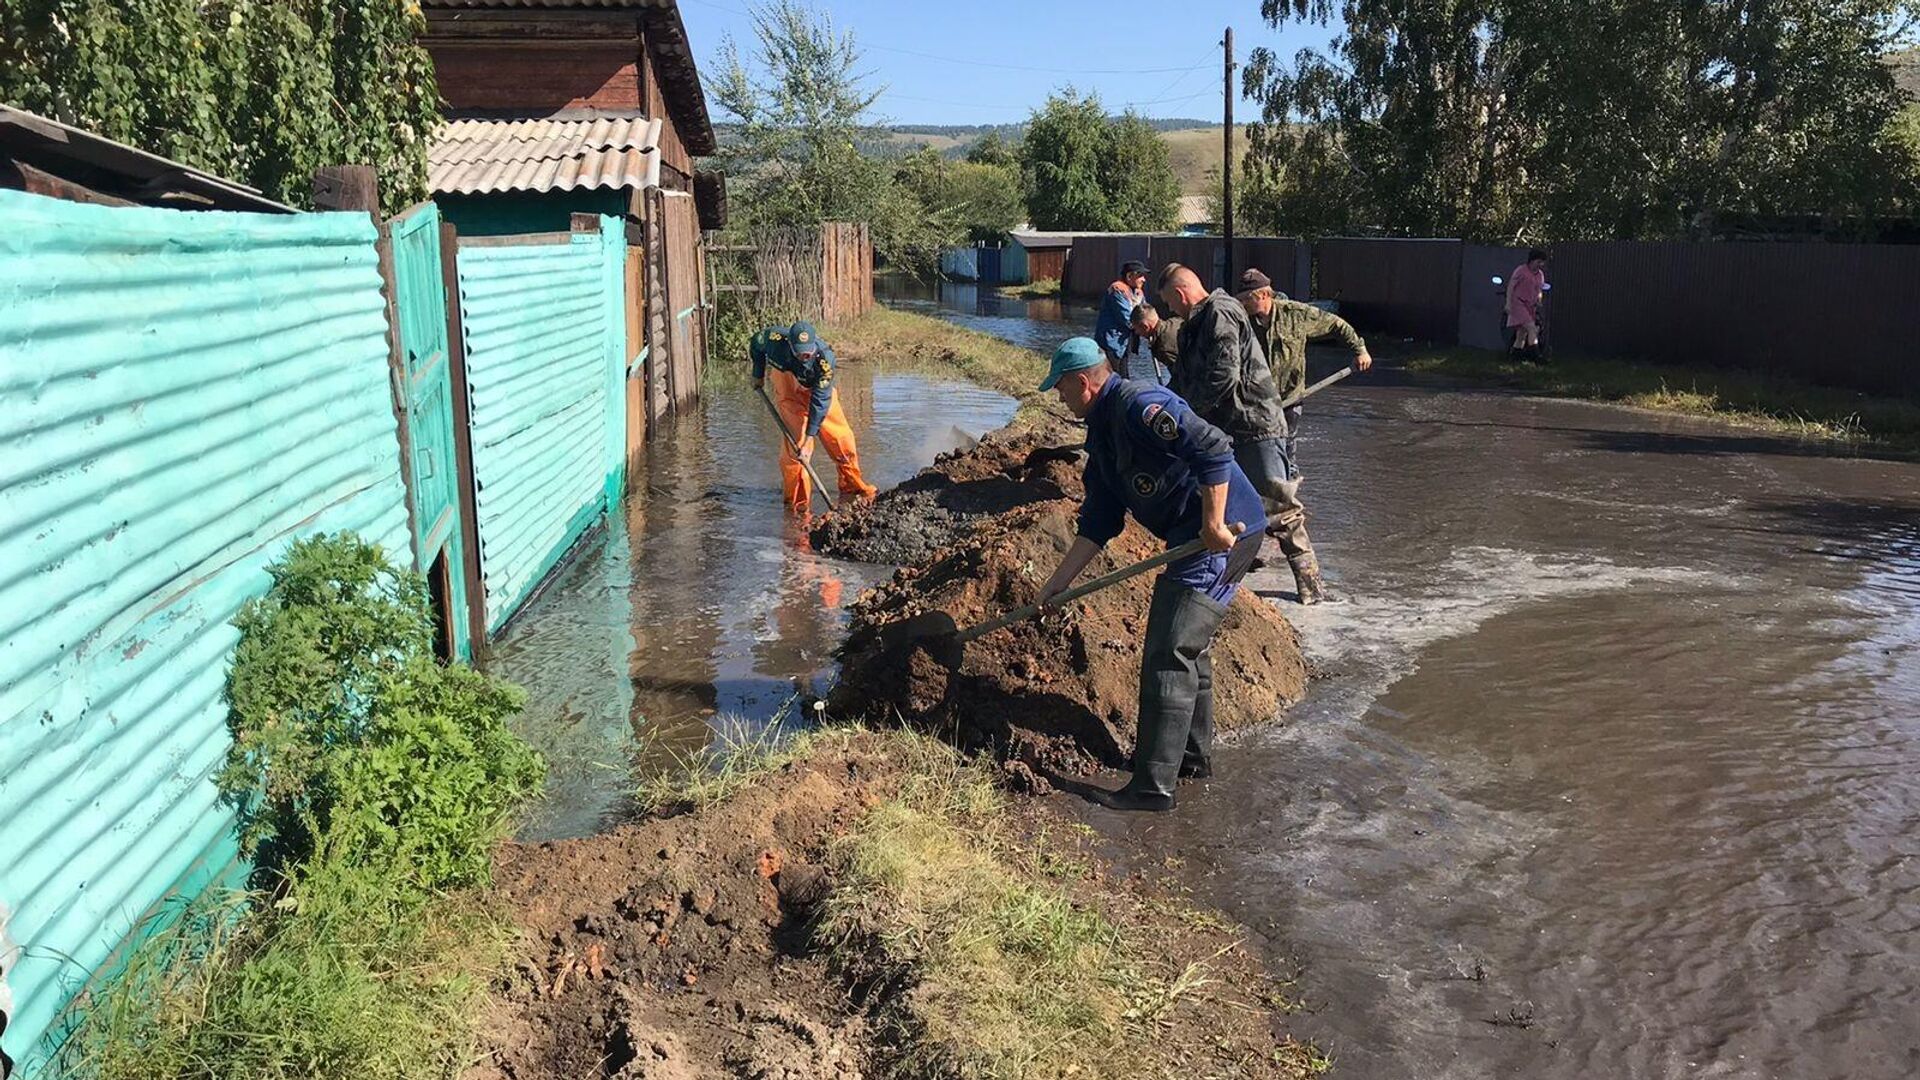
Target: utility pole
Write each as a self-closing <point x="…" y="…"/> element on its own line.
<point x="1226" y="167"/>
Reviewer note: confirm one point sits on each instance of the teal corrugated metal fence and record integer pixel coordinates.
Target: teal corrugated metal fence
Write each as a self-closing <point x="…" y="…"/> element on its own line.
<point x="181" y="395"/>
<point x="545" y="343"/>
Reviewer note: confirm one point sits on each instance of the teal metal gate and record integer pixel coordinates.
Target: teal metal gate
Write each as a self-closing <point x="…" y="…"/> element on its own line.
<point x="420" y="304"/>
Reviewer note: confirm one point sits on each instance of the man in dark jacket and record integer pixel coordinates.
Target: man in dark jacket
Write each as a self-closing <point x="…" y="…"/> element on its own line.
<point x="1223" y="374"/>
<point x="1149" y="456"/>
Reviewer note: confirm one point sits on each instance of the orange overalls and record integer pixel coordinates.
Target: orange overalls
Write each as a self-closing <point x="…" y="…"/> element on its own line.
<point x="836" y="438"/>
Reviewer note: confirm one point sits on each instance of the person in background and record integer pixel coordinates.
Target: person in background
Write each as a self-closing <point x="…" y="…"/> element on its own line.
<point x="1156" y="345"/>
<point x="1149" y="455"/>
<point x="1285" y="326"/>
<point x="1525" y="287"/>
<point x="1110" y="327"/>
<point x="803" y="391"/>
<point x="1222" y="373"/>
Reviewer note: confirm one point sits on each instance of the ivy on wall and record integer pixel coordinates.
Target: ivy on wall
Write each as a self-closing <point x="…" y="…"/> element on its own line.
<point x="260" y="91"/>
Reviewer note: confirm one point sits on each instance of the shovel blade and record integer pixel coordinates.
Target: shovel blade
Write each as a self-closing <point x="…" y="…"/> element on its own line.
<point x="933" y="631"/>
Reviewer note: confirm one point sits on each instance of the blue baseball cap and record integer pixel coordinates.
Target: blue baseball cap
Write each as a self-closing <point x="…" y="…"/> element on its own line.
<point x="1074" y="354"/>
<point x="803" y="339"/>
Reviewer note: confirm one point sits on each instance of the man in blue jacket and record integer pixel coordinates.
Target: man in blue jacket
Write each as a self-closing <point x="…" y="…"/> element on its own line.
<point x="1151" y="456"/>
<point x="1112" y="328"/>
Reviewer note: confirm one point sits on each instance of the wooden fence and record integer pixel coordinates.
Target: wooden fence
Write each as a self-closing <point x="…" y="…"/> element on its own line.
<point x="825" y="274"/>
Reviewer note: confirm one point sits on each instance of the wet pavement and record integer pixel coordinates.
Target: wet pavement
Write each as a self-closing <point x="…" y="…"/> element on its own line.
<point x="691" y="615"/>
<point x="1613" y="765"/>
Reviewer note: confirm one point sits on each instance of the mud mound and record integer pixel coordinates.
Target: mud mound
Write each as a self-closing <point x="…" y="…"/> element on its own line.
<point x="681" y="948"/>
<point x="673" y="950"/>
<point x="1059" y="693"/>
<point x="1004" y="471"/>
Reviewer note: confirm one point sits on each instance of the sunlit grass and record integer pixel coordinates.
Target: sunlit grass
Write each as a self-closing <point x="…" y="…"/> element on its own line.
<point x="1762" y="401"/>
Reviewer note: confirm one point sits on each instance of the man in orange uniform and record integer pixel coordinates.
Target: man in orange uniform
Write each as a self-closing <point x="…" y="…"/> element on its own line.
<point x="803" y="389"/>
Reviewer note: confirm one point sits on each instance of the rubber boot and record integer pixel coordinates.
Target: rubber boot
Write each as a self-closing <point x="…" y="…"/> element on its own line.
<point x="1181" y="623"/>
<point x="1306" y="579"/>
<point x="1198" y="762"/>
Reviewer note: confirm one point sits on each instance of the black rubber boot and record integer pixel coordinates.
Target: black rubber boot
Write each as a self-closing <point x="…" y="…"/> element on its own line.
<point x="1180" y="625"/>
<point x="1198" y="762"/>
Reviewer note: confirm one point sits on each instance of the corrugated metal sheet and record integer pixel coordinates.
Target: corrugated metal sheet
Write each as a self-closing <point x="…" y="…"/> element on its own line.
<point x="181" y="394"/>
<point x="1845" y="314"/>
<point x="545" y="337"/>
<point x="1013" y="265"/>
<point x="1409" y="287"/>
<point x="1483" y="305"/>
<point x="470" y="157"/>
<point x="960" y="263"/>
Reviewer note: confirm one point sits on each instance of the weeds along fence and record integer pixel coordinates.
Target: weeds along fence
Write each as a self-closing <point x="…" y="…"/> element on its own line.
<point x="824" y="274"/>
<point x="1840" y="314"/>
<point x="184" y="395"/>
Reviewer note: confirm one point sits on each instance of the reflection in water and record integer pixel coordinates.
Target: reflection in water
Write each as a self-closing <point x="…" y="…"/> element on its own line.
<point x="1617" y="743"/>
<point x="699" y="607"/>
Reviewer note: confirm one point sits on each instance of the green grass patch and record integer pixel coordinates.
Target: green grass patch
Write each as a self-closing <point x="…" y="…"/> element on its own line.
<point x="1766" y="402"/>
<point x="372" y="783"/>
<point x="924" y="343"/>
<point x="1042" y="289"/>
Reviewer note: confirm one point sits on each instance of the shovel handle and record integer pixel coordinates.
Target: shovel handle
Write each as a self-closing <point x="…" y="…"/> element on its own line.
<point x="1020" y="614"/>
<point x="1317" y="387"/>
<point x="795" y="447"/>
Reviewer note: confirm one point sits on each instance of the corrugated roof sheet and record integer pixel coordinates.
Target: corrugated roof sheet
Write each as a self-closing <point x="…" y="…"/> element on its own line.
<point x="472" y="157"/>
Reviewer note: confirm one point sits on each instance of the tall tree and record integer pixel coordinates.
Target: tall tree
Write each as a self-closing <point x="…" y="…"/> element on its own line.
<point x="1085" y="170"/>
<point x="1061" y="160"/>
<point x="804" y="105"/>
<point x="1517" y="119"/>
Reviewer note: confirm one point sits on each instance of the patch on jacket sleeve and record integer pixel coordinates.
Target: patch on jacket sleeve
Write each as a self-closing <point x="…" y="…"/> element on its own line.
<point x="1163" y="424"/>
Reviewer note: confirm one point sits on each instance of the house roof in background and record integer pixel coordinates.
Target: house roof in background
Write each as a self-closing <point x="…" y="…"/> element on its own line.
<point x="1036" y="240"/>
<point x="1193" y="210"/>
<point x="667" y="40"/>
<point x="477" y="157"/>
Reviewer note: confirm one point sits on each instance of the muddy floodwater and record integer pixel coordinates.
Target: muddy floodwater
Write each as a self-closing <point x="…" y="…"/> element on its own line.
<point x="693" y="613"/>
<point x="1612" y="768"/>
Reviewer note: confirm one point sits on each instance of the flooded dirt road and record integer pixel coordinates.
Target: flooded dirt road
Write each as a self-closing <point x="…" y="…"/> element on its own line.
<point x="692" y="613"/>
<point x="1613" y="766"/>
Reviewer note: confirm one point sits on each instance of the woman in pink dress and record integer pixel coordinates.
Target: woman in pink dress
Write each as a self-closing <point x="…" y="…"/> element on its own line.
<point x="1525" y="287"/>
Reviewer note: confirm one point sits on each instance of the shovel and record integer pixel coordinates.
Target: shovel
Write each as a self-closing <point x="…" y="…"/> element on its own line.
<point x="937" y="633"/>
<point x="795" y="447"/>
<point x="1317" y="387"/>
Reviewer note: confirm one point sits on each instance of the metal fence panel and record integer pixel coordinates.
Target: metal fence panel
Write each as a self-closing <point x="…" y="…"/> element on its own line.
<point x="960" y="263"/>
<point x="1409" y="287"/>
<point x="544" y="361"/>
<point x="1834" y="313"/>
<point x="1091" y="267"/>
<point x="1483" y="305"/>
<point x="1288" y="262"/>
<point x="1013" y="265"/>
<point x="181" y="395"/>
<point x="1204" y="255"/>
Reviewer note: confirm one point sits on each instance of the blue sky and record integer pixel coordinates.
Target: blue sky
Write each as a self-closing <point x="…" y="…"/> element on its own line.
<point x="934" y="57"/>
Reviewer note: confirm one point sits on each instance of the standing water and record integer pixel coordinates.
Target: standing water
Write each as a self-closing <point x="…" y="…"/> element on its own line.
<point x="1612" y="767"/>
<point x="699" y="609"/>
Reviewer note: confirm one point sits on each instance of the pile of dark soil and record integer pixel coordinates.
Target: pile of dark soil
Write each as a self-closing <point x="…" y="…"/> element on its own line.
<point x="1055" y="694"/>
<point x="674" y="949"/>
<point x="681" y="947"/>
<point x="1006" y="470"/>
